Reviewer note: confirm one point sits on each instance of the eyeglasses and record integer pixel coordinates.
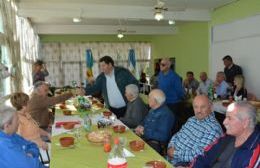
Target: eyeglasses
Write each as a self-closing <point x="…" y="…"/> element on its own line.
<point x="162" y="64"/>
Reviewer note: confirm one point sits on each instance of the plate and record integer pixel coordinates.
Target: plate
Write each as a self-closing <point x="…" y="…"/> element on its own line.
<point x="156" y="164"/>
<point x="98" y="136"/>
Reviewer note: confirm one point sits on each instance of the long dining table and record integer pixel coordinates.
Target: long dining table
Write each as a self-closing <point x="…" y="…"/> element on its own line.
<point x="86" y="154"/>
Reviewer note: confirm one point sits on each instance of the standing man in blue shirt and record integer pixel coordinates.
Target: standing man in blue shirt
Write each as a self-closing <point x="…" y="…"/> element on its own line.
<point x="170" y="83"/>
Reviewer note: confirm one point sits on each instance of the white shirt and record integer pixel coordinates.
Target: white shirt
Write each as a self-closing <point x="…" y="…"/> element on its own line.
<point x="114" y="95"/>
<point x="204" y="86"/>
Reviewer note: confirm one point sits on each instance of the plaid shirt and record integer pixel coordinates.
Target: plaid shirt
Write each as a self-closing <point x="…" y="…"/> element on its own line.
<point x="193" y="137"/>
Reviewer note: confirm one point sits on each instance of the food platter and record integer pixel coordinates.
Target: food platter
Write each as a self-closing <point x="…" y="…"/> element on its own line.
<point x="98" y="136"/>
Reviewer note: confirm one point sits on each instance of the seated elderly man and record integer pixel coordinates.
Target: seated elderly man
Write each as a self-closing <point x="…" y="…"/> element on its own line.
<point x="16" y="152"/>
<point x="205" y="83"/>
<point x="221" y="86"/>
<point x="39" y="103"/>
<point x="136" y="109"/>
<point x="240" y="148"/>
<point x="190" y="84"/>
<point x="197" y="133"/>
<point x="157" y="125"/>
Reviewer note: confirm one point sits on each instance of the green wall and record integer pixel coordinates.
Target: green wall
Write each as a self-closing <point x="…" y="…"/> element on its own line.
<point x="94" y="38"/>
<point x="235" y="11"/>
<point x="189" y="46"/>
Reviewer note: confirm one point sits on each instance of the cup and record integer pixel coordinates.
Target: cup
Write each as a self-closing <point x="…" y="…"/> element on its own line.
<point x="107" y="145"/>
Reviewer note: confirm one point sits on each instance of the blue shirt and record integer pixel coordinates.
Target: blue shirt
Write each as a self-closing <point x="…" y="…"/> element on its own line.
<point x="14" y="150"/>
<point x="193" y="137"/>
<point x="222" y="89"/>
<point x="158" y="124"/>
<point x="170" y="84"/>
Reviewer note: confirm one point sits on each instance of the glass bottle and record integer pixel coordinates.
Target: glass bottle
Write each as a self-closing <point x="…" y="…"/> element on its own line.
<point x="116" y="158"/>
<point x="87" y="123"/>
<point x="211" y="92"/>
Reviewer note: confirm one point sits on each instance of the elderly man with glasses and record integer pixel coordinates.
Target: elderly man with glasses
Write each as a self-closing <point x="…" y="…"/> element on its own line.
<point x="39" y="103"/>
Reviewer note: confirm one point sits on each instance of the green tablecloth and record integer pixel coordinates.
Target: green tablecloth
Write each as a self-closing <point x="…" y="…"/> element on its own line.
<point x="88" y="155"/>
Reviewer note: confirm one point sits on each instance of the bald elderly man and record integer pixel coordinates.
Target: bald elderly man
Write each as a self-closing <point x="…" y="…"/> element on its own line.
<point x="197" y="133"/>
<point x="157" y="125"/>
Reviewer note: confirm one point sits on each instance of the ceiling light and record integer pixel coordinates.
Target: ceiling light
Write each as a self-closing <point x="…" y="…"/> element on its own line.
<point x="120" y="35"/>
<point x="158" y="15"/>
<point x="77" y="19"/>
<point x="171" y="22"/>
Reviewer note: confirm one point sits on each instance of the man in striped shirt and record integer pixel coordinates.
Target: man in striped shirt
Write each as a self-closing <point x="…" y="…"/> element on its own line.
<point x="197" y="133"/>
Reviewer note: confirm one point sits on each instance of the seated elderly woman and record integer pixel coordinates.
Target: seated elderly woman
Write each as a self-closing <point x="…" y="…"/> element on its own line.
<point x="136" y="109"/>
<point x="28" y="128"/>
<point x="16" y="152"/>
<point x="157" y="125"/>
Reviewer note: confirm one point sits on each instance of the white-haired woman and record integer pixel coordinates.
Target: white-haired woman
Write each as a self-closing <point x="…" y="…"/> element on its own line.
<point x="136" y="108"/>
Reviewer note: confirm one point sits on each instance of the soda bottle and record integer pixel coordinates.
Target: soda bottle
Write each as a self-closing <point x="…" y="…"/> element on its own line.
<point x="211" y="92"/>
<point x="116" y="158"/>
<point x="87" y="123"/>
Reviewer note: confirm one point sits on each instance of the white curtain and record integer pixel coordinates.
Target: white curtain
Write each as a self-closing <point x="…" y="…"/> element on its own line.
<point x="29" y="45"/>
<point x="20" y="47"/>
<point x="71" y="58"/>
<point x="11" y="45"/>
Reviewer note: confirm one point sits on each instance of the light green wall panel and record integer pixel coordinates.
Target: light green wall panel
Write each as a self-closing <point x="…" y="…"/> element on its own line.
<point x="235" y="11"/>
<point x="94" y="38"/>
<point x="189" y="46"/>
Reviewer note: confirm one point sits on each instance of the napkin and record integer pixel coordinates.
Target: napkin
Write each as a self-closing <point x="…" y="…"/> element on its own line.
<point x="127" y="153"/>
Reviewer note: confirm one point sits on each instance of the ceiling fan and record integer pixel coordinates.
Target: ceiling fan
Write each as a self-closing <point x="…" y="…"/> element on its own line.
<point x="123" y="30"/>
<point x="159" y="8"/>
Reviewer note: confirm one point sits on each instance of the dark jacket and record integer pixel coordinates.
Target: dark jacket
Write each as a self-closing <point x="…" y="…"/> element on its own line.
<point x="135" y="113"/>
<point x="158" y="124"/>
<point x="232" y="72"/>
<point x="244" y="156"/>
<point x="123" y="78"/>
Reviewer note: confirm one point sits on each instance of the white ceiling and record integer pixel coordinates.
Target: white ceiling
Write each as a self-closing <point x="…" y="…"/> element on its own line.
<point x="107" y="16"/>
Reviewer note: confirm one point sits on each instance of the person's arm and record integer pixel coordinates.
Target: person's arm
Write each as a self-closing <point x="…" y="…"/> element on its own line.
<point x="50" y="101"/>
<point x="96" y="86"/>
<point x="45" y="133"/>
<point x="14" y="158"/>
<point x="136" y="114"/>
<point x="178" y="87"/>
<point x="161" y="132"/>
<point x="44" y="70"/>
<point x="190" y="153"/>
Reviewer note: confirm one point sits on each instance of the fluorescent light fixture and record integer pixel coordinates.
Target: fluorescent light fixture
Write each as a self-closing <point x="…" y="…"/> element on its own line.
<point x="158" y="15"/>
<point x="77" y="20"/>
<point x="171" y="22"/>
<point x="120" y="35"/>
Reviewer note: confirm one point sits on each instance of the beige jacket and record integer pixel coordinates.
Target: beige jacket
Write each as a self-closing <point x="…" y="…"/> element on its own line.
<point x="38" y="107"/>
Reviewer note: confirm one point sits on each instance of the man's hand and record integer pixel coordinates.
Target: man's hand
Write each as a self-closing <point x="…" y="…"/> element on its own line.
<point x="45" y="146"/>
<point x="90" y="80"/>
<point x="139" y="130"/>
<point x="170" y="152"/>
